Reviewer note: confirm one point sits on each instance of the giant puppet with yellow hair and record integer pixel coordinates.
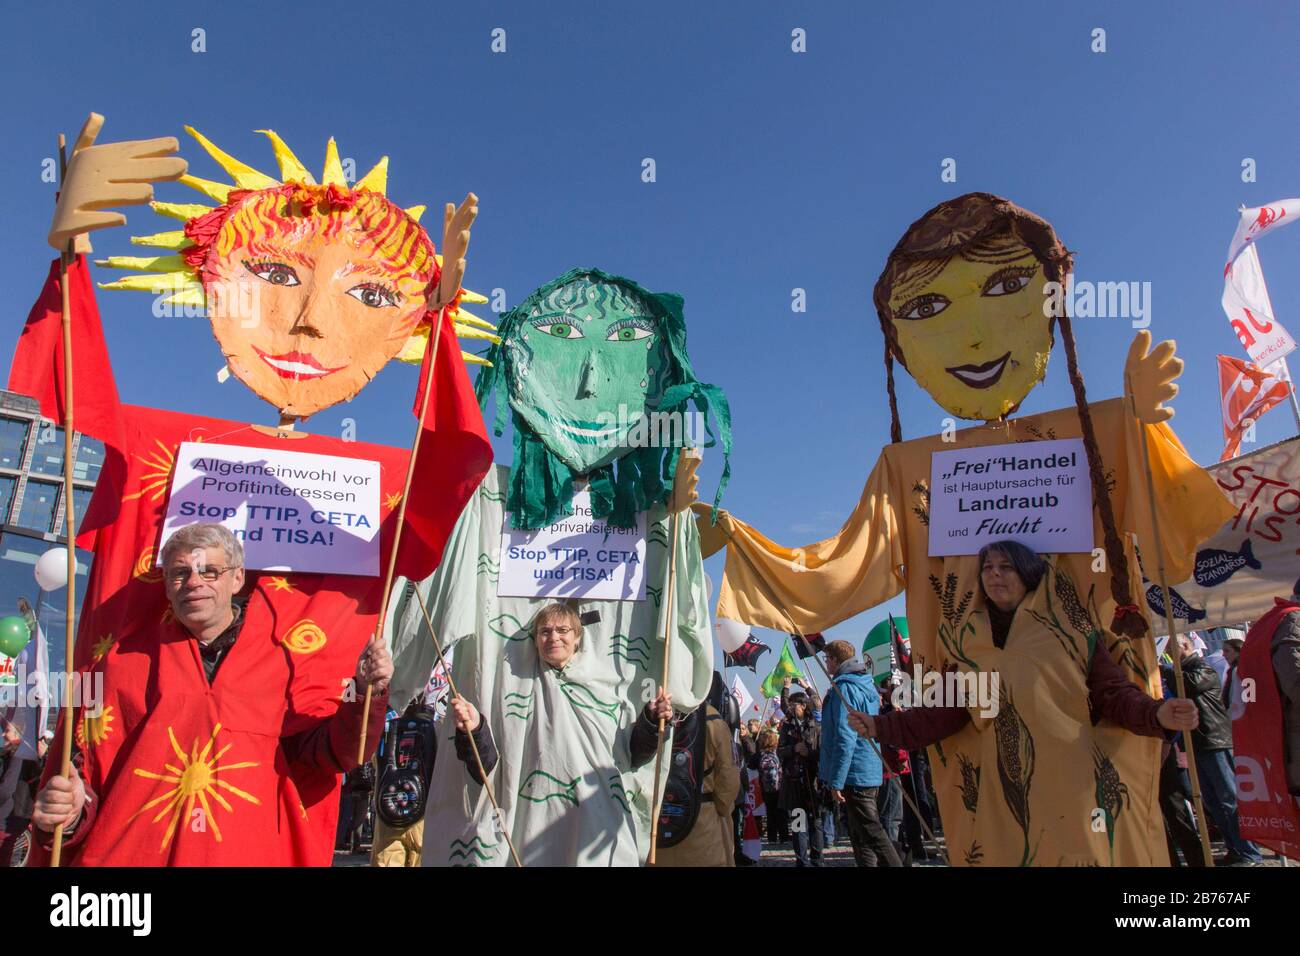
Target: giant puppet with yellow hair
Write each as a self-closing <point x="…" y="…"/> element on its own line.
<point x="312" y="287"/>
<point x="969" y="302"/>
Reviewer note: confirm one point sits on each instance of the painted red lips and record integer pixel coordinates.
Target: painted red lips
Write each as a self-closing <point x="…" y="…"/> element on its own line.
<point x="980" y="376"/>
<point x="296" y="365"/>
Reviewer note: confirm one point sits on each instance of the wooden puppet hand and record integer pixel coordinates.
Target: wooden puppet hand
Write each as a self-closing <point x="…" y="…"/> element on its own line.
<point x="1149" y="378"/>
<point x="686" y="483"/>
<point x="713" y="537"/>
<point x="455" y="243"/>
<point x="110" y="174"/>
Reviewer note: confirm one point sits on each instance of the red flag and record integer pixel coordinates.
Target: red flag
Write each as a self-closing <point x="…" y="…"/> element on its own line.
<point x="454" y="456"/>
<point x="38" y="360"/>
<point x="1248" y="392"/>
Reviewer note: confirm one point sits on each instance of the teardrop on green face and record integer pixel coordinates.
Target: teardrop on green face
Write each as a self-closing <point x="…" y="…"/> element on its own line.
<point x="593" y="355"/>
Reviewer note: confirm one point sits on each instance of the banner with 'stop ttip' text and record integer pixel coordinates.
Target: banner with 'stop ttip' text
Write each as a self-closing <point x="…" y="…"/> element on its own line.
<point x="1254" y="557"/>
<point x="292" y="510"/>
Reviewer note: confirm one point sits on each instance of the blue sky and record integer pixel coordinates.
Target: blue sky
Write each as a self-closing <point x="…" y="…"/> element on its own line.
<point x="775" y="171"/>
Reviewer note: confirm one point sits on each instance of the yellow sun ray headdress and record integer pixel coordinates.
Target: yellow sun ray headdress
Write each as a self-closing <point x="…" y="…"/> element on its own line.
<point x="177" y="276"/>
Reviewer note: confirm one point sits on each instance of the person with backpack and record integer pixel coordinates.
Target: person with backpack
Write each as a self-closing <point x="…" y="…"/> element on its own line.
<point x="768" y="764"/>
<point x="695" y="825"/>
<point x="406" y="757"/>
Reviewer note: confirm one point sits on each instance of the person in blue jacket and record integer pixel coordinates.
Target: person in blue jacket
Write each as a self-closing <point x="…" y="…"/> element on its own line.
<point x="849" y="765"/>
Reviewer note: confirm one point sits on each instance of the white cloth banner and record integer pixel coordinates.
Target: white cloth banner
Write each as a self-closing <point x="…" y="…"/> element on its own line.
<point x="1253" y="557"/>
<point x="1245" y="296"/>
<point x="1036" y="492"/>
<point x="293" y="511"/>
<point x="742" y="696"/>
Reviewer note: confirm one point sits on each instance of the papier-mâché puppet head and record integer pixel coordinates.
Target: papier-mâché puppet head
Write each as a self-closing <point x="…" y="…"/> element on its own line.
<point x="311" y="288"/>
<point x="596" y="374"/>
<point x="962" y="303"/>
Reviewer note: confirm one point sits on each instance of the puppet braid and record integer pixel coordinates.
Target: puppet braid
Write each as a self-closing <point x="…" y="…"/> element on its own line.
<point x="895" y="429"/>
<point x="1125" y="621"/>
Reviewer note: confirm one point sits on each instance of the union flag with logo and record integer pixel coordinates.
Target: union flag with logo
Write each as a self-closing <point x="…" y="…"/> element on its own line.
<point x="1247" y="391"/>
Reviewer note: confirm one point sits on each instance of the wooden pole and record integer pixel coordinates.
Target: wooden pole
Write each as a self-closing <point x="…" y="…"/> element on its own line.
<point x="436" y="336"/>
<point x="1172" y="628"/>
<point x="669" y="628"/>
<point x="482" y="773"/>
<point x="69" y="515"/>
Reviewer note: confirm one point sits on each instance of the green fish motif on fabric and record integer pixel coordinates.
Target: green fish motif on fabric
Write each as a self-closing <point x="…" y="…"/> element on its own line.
<point x="580" y="696"/>
<point x="655" y="593"/>
<point x="518" y="705"/>
<point x="509" y="627"/>
<point x="539" y="787"/>
<point x="635" y="649"/>
<point x="469" y="851"/>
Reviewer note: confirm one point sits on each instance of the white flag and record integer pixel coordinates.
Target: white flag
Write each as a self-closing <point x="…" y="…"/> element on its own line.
<point x="1245" y="296"/>
<point x="1259" y="220"/>
<point x="741" y="694"/>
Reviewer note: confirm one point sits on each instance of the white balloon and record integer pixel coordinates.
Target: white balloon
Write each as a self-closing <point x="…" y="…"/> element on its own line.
<point x="731" y="634"/>
<point x="52" y="569"/>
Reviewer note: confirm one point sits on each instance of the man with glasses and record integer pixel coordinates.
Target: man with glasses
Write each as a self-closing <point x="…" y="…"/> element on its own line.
<point x="203" y="575"/>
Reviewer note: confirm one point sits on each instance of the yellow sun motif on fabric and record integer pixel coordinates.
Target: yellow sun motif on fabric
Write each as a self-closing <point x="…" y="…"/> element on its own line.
<point x="100" y="647"/>
<point x="279" y="584"/>
<point x="392" y="500"/>
<point x="156" y="476"/>
<point x="144" y="569"/>
<point x="93" y="729"/>
<point x="305" y="637"/>
<point x="196" y="780"/>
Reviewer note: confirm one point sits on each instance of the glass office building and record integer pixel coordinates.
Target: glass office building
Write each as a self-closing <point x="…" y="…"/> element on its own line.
<point x="32" y="510"/>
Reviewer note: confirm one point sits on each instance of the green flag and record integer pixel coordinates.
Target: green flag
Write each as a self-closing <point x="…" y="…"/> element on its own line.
<point x="785" y="667"/>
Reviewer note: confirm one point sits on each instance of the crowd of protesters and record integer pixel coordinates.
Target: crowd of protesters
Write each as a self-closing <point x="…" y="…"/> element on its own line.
<point x="812" y="769"/>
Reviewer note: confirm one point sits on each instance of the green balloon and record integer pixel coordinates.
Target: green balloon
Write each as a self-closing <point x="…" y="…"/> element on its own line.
<point x="14" y="635"/>
<point x="876" y="646"/>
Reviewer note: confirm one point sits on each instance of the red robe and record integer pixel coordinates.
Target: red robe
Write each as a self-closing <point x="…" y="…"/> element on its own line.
<point x="244" y="771"/>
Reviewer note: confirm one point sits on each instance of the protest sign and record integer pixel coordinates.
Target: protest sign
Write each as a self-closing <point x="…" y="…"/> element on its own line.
<point x="293" y="511"/>
<point x="578" y="556"/>
<point x="1035" y="492"/>
<point x="1254" y="557"/>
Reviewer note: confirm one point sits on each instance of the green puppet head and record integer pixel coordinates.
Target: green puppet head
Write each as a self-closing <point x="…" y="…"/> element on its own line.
<point x="600" y="386"/>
